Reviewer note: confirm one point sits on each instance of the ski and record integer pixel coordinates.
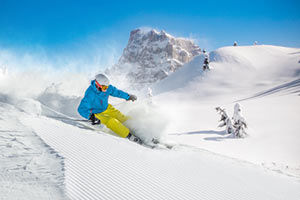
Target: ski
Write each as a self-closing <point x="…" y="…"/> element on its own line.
<point x="158" y="142"/>
<point x="85" y="124"/>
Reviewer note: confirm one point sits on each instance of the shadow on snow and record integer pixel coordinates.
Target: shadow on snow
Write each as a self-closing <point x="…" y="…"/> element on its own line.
<point x="223" y="135"/>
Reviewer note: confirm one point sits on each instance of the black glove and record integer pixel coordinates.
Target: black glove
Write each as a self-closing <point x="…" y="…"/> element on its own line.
<point x="94" y="120"/>
<point x="132" y="97"/>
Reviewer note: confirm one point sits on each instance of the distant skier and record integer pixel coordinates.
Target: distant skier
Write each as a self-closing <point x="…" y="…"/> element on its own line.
<point x="239" y="122"/>
<point x="225" y="120"/>
<point x="205" y="64"/>
<point x="150" y="95"/>
<point x="95" y="107"/>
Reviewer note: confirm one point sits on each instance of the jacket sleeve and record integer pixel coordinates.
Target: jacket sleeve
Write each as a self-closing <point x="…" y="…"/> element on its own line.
<point x="118" y="93"/>
<point x="85" y="107"/>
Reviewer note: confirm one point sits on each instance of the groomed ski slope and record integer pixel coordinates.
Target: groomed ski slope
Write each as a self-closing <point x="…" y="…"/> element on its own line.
<point x="206" y="163"/>
<point x="29" y="168"/>
<point x="102" y="166"/>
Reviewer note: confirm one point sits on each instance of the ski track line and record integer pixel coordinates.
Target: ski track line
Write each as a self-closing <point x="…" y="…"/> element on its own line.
<point x="73" y="170"/>
<point x="120" y="161"/>
<point x="154" y="184"/>
<point x="106" y="169"/>
<point x="134" y="177"/>
<point x="82" y="156"/>
<point x="97" y="170"/>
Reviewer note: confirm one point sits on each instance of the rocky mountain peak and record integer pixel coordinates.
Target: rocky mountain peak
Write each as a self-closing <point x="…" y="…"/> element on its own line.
<point x="151" y="56"/>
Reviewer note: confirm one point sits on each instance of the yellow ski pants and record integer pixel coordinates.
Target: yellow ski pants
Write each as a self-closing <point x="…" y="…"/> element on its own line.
<point x="113" y="119"/>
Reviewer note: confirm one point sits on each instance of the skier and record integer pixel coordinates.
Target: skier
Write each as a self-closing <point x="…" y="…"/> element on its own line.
<point x="205" y="64"/>
<point x="95" y="107"/>
<point x="150" y="95"/>
<point x="239" y="123"/>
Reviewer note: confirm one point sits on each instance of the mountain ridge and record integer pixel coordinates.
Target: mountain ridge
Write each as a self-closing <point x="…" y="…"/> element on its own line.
<point x="151" y="56"/>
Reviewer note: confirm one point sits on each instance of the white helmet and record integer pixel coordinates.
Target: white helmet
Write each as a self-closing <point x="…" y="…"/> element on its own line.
<point x="102" y="79"/>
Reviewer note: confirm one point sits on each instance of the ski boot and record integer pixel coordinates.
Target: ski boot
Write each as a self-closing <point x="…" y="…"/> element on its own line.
<point x="134" y="138"/>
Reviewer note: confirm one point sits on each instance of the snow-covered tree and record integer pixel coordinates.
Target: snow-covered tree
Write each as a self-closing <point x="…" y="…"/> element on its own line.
<point x="225" y="120"/>
<point x="239" y="123"/>
<point x="234" y="43"/>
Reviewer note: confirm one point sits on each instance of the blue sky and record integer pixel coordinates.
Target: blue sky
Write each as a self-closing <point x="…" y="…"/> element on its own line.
<point x="61" y="25"/>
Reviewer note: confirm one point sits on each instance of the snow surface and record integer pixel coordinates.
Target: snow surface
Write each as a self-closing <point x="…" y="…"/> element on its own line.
<point x="44" y="156"/>
<point x="265" y="79"/>
<point x="30" y="169"/>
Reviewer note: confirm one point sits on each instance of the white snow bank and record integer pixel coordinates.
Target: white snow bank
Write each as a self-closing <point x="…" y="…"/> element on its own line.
<point x="269" y="64"/>
<point x="32" y="82"/>
<point x="29" y="169"/>
<point x="101" y="166"/>
<point x="146" y="120"/>
<point x="268" y="76"/>
<point x="234" y="71"/>
<point x="29" y="106"/>
<point x="53" y="98"/>
<point x="273" y="130"/>
<point x="181" y="77"/>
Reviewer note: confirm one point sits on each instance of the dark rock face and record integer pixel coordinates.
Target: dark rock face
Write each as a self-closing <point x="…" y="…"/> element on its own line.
<point x="151" y="56"/>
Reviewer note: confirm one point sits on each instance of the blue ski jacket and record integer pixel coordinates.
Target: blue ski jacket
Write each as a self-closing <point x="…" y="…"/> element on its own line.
<point x="95" y="101"/>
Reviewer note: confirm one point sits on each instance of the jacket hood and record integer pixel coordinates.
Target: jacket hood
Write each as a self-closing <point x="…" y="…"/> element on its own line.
<point x="93" y="84"/>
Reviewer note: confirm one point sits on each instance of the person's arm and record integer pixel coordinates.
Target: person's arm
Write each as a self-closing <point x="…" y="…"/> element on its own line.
<point x="85" y="107"/>
<point x="118" y="93"/>
<point x="121" y="94"/>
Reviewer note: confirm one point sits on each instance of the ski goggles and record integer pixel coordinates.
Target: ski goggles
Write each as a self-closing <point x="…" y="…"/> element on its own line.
<point x="103" y="87"/>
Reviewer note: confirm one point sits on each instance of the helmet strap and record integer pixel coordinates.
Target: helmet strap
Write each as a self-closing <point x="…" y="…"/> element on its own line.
<point x="98" y="86"/>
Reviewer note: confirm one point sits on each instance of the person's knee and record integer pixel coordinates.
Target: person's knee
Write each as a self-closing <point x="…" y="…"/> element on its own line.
<point x="116" y="126"/>
<point x="104" y="119"/>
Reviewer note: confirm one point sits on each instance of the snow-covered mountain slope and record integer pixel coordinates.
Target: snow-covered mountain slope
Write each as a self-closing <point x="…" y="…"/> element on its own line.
<point x="266" y="78"/>
<point x="265" y="65"/>
<point x="151" y="56"/>
<point x="205" y="164"/>
<point x="182" y="77"/>
<point x="286" y="88"/>
<point x="235" y="71"/>
<point x="101" y="166"/>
